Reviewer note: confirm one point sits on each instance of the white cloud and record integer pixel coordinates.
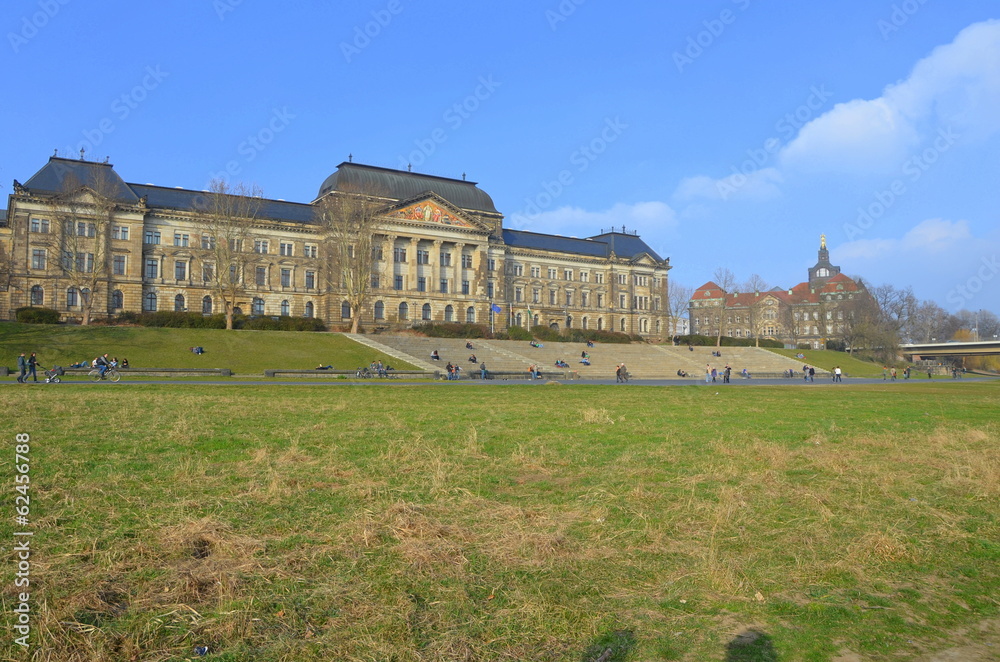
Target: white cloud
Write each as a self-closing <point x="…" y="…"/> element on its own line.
<point x="933" y="236"/>
<point x="651" y="218"/>
<point x="956" y="87"/>
<point x="759" y="184"/>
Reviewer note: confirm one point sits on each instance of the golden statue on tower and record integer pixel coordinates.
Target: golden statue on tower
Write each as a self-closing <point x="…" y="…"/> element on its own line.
<point x="822" y="242"/>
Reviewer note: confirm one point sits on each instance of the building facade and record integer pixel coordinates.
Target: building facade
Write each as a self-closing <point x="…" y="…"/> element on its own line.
<point x="78" y="239"/>
<point x="810" y="313"/>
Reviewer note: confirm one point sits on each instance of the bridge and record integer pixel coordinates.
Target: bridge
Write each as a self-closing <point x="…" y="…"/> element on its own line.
<point x="917" y="351"/>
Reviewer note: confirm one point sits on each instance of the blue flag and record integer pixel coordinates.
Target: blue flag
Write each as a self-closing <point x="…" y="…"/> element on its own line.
<point x="496" y="309"/>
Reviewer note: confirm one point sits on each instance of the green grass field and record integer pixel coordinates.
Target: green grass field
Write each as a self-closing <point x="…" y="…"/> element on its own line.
<point x="544" y="522"/>
<point x="245" y="352"/>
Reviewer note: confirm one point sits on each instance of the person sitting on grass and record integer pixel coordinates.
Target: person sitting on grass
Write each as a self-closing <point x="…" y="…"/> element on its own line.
<point x="324" y="367"/>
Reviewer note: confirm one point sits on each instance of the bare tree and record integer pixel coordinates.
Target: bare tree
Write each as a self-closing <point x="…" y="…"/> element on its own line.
<point x="757" y="308"/>
<point x="84" y="217"/>
<point x="726" y="281"/>
<point x="678" y="299"/>
<point x="353" y="225"/>
<point x="227" y="214"/>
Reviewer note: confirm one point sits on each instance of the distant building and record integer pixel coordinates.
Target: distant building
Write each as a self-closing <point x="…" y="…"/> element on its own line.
<point x="444" y="256"/>
<point x="810" y="313"/>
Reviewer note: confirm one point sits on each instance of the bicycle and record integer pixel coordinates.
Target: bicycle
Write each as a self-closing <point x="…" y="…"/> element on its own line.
<point x="111" y="375"/>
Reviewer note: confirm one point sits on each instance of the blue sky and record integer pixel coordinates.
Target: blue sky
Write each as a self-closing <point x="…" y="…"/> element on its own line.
<point x="729" y="133"/>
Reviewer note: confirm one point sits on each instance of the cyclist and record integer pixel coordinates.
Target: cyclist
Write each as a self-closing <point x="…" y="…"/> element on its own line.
<point x="103" y="363"/>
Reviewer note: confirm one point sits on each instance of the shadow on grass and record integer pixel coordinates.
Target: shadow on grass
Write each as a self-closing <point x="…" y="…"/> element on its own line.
<point x="611" y="647"/>
<point x="751" y="646"/>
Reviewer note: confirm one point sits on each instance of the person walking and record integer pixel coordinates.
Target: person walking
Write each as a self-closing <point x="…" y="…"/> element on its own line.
<point x="892" y="371"/>
<point x="32" y="366"/>
<point x="837" y="374"/>
<point x="482" y="371"/>
<point x="725" y="375"/>
<point x="812" y="374"/>
<point x="22" y="366"/>
<point x="708" y="373"/>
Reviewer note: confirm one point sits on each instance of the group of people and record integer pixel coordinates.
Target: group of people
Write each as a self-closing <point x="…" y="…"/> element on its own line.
<point x="28" y="366"/>
<point x="621" y="374"/>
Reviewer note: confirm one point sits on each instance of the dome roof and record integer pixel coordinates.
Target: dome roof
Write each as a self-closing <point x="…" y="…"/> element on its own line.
<point x="399" y="185"/>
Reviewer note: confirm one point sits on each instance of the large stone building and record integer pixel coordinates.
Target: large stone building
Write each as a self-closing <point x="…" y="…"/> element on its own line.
<point x="443" y="255"/>
<point x="811" y="313"/>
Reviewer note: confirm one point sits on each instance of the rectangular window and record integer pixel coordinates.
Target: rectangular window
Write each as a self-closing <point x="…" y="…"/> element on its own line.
<point x="286" y="277"/>
<point x="208" y="272"/>
<point x="491" y="265"/>
<point x="152" y="269"/>
<point x="583" y="299"/>
<point x="489" y="290"/>
<point x="518" y="294"/>
<point x="423" y="257"/>
<point x="517" y="269"/>
<point x="536" y="272"/>
<point x="181" y="240"/>
<point x="622" y="279"/>
<point x="85" y="262"/>
<point x="234" y="274"/>
<point x="552" y="273"/>
<point x="552" y="297"/>
<point x="285" y="249"/>
<point x="376" y="282"/>
<point x="310" y="250"/>
<point x="120" y="232"/>
<point x="421" y="284"/>
<point x="118" y="265"/>
<point x="599" y="278"/>
<point x="569" y="298"/>
<point x="207" y="242"/>
<point x="584" y="276"/>
<point x="399" y="255"/>
<point x="621" y="301"/>
<point x="260" y="276"/>
<point x="236" y="245"/>
<point x="568" y="274"/>
<point x="36" y="225"/>
<point x="466" y="261"/>
<point x="310" y="280"/>
<point x="397" y="282"/>
<point x="151" y="237"/>
<point x="465" y="287"/>
<point x="536" y="295"/>
<point x="445" y="259"/>
<point x="600" y="300"/>
<point x="444" y="286"/>
<point x="260" y="245"/>
<point x="377" y="254"/>
<point x="38" y="258"/>
<point x="180" y="270"/>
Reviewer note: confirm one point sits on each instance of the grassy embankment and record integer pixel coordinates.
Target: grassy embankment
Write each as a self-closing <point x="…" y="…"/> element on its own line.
<point x="828" y="359"/>
<point x="245" y="352"/>
<point x="510" y="523"/>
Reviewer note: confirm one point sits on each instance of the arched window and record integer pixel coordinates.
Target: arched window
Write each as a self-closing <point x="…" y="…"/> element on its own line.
<point x="404" y="311"/>
<point x="285" y="308"/>
<point x="449" y="314"/>
<point x="345" y="310"/>
<point x="149" y="302"/>
<point x="569" y="322"/>
<point x="309" y="309"/>
<point x="585" y="323"/>
<point x="37" y="295"/>
<point x="117" y="300"/>
<point x="470" y="315"/>
<point x="206" y="305"/>
<point x="534" y="321"/>
<point x="179" y="303"/>
<point x="237" y="311"/>
<point x="257" y="306"/>
<point x="379" y="310"/>
<point x="425" y="312"/>
<point x="517" y="319"/>
<point x="600" y="323"/>
<point x="623" y="324"/>
<point x="72" y="297"/>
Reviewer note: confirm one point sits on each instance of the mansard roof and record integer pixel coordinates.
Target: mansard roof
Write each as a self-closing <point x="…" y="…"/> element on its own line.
<point x="61" y="175"/>
<point x="400" y="185"/>
<point x="161" y="197"/>
<point x="601" y="246"/>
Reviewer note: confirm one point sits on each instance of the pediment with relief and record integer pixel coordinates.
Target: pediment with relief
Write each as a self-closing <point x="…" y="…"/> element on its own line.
<point x="431" y="211"/>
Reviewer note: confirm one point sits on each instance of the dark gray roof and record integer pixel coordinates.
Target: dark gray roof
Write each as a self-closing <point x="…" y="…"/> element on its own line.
<point x="399" y="185"/>
<point x="627" y="245"/>
<point x="187" y="200"/>
<point x="623" y="245"/>
<point x="62" y="175"/>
